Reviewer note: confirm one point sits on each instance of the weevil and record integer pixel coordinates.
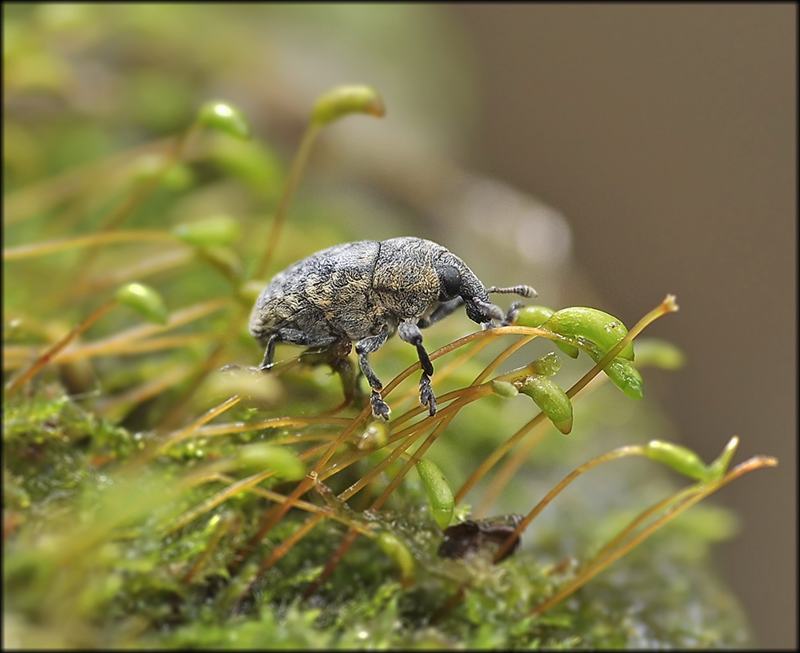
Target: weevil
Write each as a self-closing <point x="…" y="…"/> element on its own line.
<point x="364" y="292"/>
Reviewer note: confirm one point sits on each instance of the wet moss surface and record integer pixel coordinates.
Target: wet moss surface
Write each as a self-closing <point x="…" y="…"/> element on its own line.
<point x="87" y="563"/>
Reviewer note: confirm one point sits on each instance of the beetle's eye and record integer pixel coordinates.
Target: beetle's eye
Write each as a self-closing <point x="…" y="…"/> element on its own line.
<point x="451" y="281"/>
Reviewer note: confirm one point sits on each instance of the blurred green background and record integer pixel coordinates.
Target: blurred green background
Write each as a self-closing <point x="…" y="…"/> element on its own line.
<point x="606" y="155"/>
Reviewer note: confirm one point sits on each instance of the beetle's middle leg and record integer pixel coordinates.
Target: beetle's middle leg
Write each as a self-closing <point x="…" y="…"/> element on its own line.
<point x="293" y="337"/>
<point x="363" y="347"/>
<point x="410" y="333"/>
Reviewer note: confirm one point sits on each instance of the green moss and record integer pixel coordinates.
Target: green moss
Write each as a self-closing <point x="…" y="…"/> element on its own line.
<point x="126" y="577"/>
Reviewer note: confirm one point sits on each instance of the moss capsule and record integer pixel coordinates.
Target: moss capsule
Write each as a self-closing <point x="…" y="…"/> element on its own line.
<point x="145" y="301"/>
<point x="533" y="316"/>
<point x="439" y="493"/>
<point x="626" y="377"/>
<point x="536" y="316"/>
<point x="682" y="460"/>
<point x="602" y="329"/>
<point x="225" y="118"/>
<point x="214" y="231"/>
<point x="504" y="389"/>
<point x="552" y="400"/>
<point x="344" y="100"/>
<point x="282" y="460"/>
<point x="547" y="365"/>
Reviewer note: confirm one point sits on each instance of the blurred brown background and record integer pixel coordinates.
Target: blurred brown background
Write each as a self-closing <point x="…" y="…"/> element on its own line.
<point x="667" y="136"/>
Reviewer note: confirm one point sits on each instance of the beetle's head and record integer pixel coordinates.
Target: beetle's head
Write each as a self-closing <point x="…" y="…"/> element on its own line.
<point x="457" y="280"/>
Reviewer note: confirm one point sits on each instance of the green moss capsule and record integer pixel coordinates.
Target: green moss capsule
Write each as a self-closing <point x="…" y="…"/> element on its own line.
<point x="626" y="377"/>
<point x="214" y="231"/>
<point x="375" y="436"/>
<point x="261" y="456"/>
<point x="225" y="118"/>
<point x="439" y="493"/>
<point x="553" y="401"/>
<point x="547" y="365"/>
<point x="602" y="329"/>
<point x="344" y="100"/>
<point x="682" y="460"/>
<point x="536" y="316"/>
<point x="145" y="301"/>
<point x="533" y="316"/>
<point x="659" y="353"/>
<point x="504" y="389"/>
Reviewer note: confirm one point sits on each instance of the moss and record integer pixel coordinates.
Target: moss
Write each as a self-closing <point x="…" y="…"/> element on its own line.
<point x="125" y="582"/>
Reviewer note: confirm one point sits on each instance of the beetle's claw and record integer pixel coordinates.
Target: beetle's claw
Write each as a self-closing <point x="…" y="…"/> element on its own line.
<point x="380" y="408"/>
<point x="511" y="315"/>
<point x="426" y="396"/>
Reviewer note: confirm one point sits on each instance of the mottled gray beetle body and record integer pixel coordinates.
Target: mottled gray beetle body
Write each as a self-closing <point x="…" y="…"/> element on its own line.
<point x="364" y="292"/>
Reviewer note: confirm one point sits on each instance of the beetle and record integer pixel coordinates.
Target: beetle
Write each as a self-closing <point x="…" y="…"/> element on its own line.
<point x="364" y="292"/>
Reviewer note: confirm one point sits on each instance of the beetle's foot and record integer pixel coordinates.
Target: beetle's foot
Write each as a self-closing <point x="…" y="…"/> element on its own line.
<point x="511" y="315"/>
<point x="426" y="396"/>
<point x="379" y="407"/>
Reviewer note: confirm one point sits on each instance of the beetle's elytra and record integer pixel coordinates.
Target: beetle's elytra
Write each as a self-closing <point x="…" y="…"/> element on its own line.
<point x="363" y="292"/>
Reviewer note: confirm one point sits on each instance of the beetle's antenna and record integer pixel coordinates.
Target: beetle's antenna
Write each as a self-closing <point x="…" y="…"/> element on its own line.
<point x="523" y="291"/>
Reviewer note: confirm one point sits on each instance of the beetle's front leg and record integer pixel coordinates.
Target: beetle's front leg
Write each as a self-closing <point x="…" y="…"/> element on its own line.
<point x="512" y="313"/>
<point x="410" y="333"/>
<point x="363" y="347"/>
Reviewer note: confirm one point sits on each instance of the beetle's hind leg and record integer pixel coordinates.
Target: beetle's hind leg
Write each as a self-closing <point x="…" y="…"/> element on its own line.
<point x="363" y="347"/>
<point x="410" y="333"/>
